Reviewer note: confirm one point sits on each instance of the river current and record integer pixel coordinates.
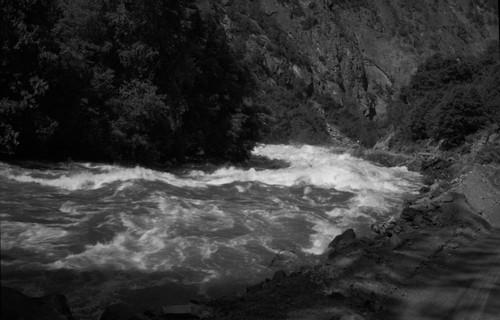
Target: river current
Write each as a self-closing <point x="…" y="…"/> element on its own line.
<point x="104" y="234"/>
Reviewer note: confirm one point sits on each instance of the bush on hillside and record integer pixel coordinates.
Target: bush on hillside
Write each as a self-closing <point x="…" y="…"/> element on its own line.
<point x="448" y="99"/>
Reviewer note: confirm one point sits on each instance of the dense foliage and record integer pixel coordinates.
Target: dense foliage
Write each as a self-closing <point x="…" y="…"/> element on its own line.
<point x="122" y="80"/>
<point x="449" y="98"/>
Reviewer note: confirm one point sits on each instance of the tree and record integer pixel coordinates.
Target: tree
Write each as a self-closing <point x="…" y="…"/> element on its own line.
<point x="122" y="80"/>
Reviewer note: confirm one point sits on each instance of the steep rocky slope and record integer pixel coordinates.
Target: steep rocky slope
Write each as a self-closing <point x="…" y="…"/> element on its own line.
<point x="336" y="60"/>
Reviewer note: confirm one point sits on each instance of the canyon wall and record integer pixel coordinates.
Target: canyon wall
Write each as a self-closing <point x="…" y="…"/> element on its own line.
<point x="345" y="59"/>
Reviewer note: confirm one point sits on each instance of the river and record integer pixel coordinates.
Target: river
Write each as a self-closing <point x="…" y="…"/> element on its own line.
<point x="103" y="234"/>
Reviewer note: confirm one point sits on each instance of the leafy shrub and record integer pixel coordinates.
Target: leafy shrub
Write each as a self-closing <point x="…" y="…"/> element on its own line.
<point x="460" y="113"/>
<point x="143" y="119"/>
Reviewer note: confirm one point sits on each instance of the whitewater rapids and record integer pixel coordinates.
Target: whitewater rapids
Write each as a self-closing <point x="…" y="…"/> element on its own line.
<point x="98" y="230"/>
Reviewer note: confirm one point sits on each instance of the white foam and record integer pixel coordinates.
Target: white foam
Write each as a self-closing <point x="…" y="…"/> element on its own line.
<point x="70" y="208"/>
<point x="115" y="254"/>
<point x="315" y="166"/>
<point x="308" y="166"/>
<point x="32" y="236"/>
<point x="324" y="233"/>
<point x="156" y="241"/>
<point x="89" y="180"/>
<point x="241" y="189"/>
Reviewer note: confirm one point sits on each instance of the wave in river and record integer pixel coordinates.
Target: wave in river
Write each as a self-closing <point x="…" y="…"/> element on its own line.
<point x="308" y="166"/>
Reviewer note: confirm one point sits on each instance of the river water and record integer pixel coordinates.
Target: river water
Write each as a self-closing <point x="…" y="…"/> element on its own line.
<point x="104" y="234"/>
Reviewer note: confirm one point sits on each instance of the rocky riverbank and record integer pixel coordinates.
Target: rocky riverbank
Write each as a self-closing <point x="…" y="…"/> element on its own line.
<point x="369" y="278"/>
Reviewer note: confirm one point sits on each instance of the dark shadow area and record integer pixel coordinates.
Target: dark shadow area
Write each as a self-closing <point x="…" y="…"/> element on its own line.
<point x="89" y="293"/>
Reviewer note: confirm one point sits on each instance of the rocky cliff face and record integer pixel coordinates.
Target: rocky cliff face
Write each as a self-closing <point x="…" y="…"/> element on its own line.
<point x="345" y="56"/>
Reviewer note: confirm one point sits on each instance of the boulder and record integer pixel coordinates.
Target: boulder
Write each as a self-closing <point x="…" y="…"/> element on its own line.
<point x="432" y="216"/>
<point x="415" y="165"/>
<point x="395" y="241"/>
<point x="428" y="181"/>
<point x="425" y="189"/>
<point x="435" y="190"/>
<point x="384" y="227"/>
<point x="16" y="306"/>
<point x="345" y="246"/>
<point x="410" y="213"/>
<point x="397" y="229"/>
<point x="418" y="221"/>
<point x="343" y="240"/>
<point x="423" y="204"/>
<point x="438" y="188"/>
